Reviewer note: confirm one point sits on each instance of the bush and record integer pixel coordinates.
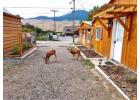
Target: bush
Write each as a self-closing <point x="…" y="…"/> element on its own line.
<point x="15" y="49"/>
<point x="26" y="46"/>
<point x="42" y="37"/>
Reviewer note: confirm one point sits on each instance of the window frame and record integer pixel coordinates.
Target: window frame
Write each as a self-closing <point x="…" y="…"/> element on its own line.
<point x="96" y="33"/>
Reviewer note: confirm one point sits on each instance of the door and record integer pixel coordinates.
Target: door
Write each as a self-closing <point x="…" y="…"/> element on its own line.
<point x="117" y="40"/>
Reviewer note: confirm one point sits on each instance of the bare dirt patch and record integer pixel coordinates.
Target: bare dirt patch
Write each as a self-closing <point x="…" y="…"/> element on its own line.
<point x="124" y="78"/>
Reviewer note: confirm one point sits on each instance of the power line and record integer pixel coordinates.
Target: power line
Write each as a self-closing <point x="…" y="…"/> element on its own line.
<point x="39" y="7"/>
<point x="54" y="11"/>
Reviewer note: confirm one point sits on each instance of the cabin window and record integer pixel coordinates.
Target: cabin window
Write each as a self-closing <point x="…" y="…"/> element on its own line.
<point x="98" y="33"/>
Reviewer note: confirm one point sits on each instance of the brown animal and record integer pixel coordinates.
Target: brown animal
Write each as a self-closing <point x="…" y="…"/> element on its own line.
<point x="49" y="54"/>
<point x="75" y="51"/>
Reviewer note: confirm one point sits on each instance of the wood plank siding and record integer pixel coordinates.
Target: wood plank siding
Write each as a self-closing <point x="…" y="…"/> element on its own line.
<point x="11" y="32"/>
<point x="83" y="34"/>
<point x="129" y="48"/>
<point x="101" y="46"/>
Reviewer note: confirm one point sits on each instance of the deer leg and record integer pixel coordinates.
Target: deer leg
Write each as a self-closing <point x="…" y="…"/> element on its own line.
<point x="73" y="56"/>
<point x="78" y="56"/>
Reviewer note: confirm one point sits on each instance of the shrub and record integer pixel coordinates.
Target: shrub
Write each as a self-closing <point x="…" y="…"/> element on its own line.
<point x="42" y="37"/>
<point x="26" y="46"/>
<point x="15" y="49"/>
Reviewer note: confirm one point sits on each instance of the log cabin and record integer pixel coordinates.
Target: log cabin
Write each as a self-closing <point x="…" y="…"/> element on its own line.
<point x="114" y="32"/>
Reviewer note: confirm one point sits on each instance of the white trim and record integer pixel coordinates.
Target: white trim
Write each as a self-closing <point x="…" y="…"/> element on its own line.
<point x="107" y="78"/>
<point x="29" y="53"/>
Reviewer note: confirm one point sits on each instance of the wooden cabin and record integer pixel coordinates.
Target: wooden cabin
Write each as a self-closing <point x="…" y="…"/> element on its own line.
<point x="84" y="33"/>
<point x="12" y="34"/>
<point x="114" y="32"/>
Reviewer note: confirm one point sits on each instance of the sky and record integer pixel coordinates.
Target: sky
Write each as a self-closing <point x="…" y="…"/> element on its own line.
<point x="33" y="8"/>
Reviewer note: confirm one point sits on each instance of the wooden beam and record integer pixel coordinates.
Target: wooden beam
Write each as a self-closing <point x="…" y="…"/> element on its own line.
<point x="107" y="7"/>
<point x="103" y="24"/>
<point x="130" y="27"/>
<point x="121" y="22"/>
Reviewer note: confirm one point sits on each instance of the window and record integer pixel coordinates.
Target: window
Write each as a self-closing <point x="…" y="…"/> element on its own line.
<point x="98" y="33"/>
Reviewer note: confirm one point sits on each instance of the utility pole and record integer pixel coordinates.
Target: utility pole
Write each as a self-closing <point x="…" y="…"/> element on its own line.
<point x="54" y="11"/>
<point x="73" y="19"/>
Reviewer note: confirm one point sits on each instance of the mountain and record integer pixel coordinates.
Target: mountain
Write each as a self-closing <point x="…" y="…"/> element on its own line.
<point x="79" y="15"/>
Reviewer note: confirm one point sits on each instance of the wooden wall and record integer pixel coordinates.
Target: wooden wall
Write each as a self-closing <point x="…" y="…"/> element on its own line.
<point x="129" y="50"/>
<point x="84" y="26"/>
<point x="101" y="46"/>
<point x="11" y="32"/>
<point x="80" y="36"/>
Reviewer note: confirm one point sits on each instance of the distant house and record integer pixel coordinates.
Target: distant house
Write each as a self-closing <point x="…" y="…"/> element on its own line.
<point x="68" y="30"/>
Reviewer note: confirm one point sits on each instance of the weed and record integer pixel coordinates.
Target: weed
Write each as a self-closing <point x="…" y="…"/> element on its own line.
<point x="26" y="45"/>
<point x="89" y="64"/>
<point x="15" y="49"/>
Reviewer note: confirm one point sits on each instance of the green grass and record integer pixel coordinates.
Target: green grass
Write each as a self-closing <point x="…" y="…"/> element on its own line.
<point x="88" y="64"/>
<point x="42" y="37"/>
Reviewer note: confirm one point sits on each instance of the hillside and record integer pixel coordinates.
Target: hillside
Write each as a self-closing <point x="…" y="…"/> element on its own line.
<point x="79" y="15"/>
<point x="46" y="24"/>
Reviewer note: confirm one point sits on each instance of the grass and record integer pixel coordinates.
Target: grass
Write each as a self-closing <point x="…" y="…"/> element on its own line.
<point x="89" y="64"/>
<point x="42" y="37"/>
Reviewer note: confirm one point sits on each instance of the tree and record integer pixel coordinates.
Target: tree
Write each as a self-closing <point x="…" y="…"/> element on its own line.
<point x="90" y="14"/>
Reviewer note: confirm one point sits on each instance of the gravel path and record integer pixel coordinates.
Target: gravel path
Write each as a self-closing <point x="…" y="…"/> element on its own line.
<point x="61" y="79"/>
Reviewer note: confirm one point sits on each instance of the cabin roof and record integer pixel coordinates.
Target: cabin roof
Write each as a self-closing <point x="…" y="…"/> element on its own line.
<point x="87" y="22"/>
<point x="11" y="15"/>
<point x="111" y="1"/>
<point x="107" y="10"/>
